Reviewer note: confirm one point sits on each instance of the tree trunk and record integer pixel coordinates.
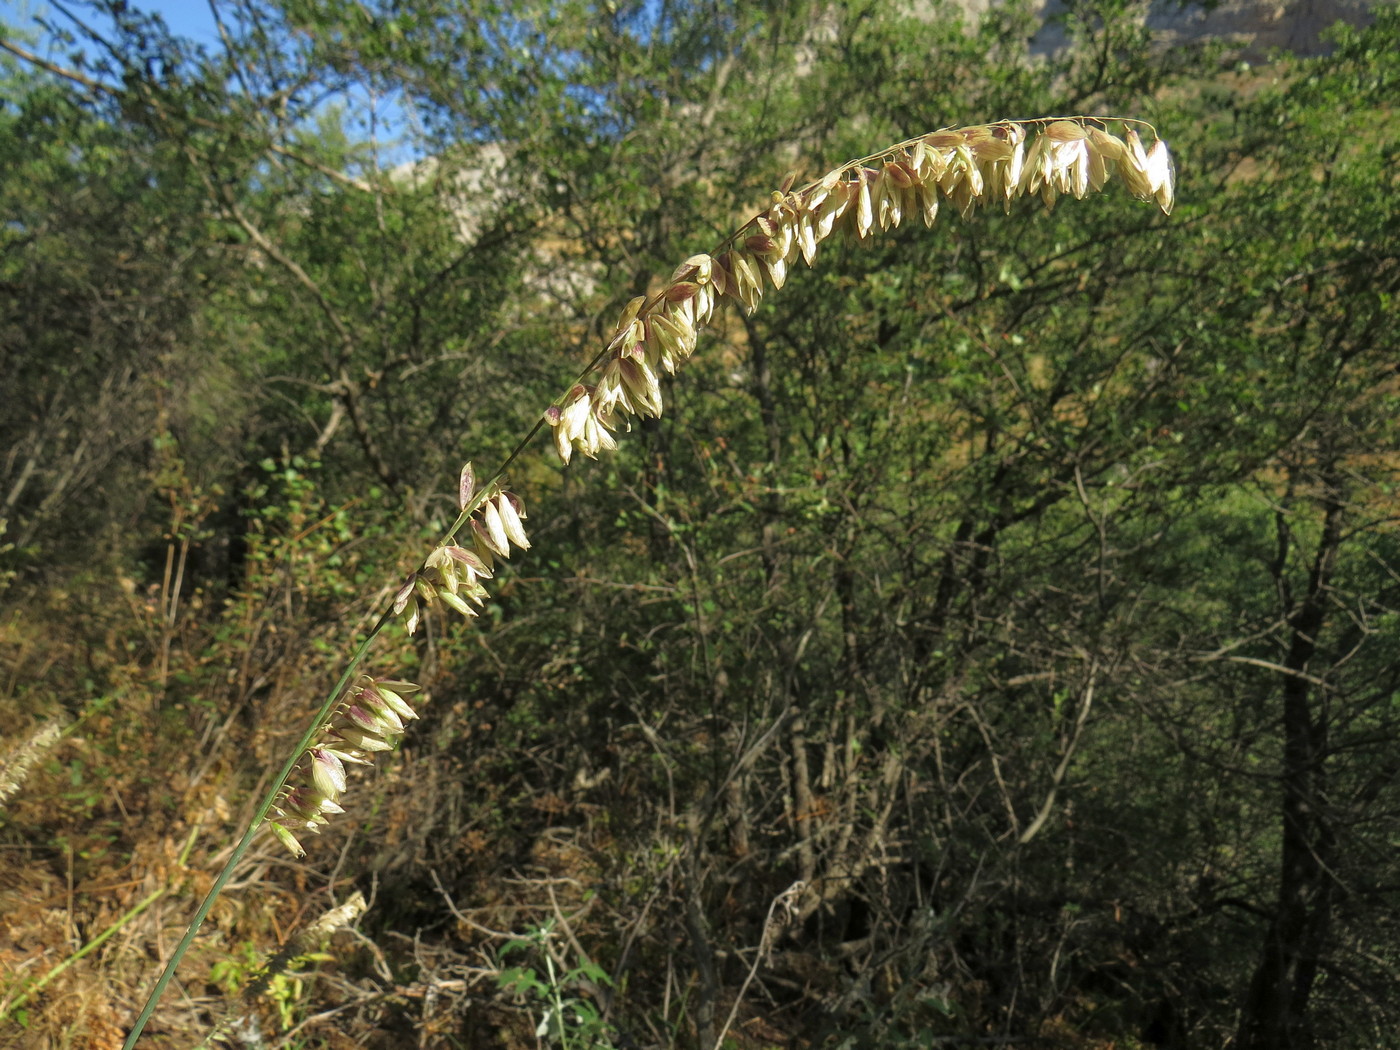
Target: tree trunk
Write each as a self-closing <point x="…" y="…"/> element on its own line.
<point x="1275" y="1014"/>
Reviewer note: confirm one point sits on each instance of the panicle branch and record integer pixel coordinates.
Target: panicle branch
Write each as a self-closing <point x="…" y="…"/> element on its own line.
<point x="370" y="717"/>
<point x="17" y="763"/>
<point x="966" y="167"/>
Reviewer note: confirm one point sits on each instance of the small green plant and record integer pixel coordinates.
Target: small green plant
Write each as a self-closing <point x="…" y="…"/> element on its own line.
<point x="567" y="1019"/>
<point x="283" y="979"/>
<point x="285" y="990"/>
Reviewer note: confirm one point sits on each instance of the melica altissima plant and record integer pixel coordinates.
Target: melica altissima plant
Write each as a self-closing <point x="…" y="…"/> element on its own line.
<point x="964" y="168"/>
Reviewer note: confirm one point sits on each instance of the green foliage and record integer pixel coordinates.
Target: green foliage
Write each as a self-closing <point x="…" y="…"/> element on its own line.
<point x="567" y="1019"/>
<point x="286" y="990"/>
<point x="1086" y="513"/>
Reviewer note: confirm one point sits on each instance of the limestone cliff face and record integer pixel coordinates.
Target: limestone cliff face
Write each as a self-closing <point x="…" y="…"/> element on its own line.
<point x="1260" y="25"/>
<point x="1257" y="26"/>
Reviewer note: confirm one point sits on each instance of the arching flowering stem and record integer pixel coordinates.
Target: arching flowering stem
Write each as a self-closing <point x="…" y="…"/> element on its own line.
<point x="966" y="167"/>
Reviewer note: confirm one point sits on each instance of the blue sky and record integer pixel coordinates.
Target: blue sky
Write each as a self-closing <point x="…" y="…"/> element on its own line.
<point x="189" y="18"/>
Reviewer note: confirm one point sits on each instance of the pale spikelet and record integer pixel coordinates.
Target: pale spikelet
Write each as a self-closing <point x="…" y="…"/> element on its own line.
<point x="451" y="575"/>
<point x="15" y="766"/>
<point x="493" y="529"/>
<point x="865" y="206"/>
<point x="968" y="167"/>
<point x="1161" y="173"/>
<point x="369" y="719"/>
<point x="512" y="510"/>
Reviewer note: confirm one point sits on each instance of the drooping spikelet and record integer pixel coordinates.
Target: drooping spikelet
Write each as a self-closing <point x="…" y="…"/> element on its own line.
<point x="452" y="573"/>
<point x="369" y="718"/>
<point x="968" y="167"/>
